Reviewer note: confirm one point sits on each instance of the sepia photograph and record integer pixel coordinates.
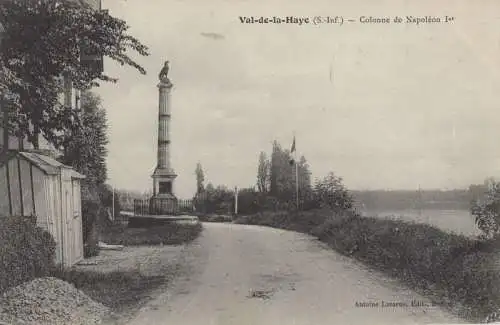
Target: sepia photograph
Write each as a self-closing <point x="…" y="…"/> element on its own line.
<point x="249" y="162"/>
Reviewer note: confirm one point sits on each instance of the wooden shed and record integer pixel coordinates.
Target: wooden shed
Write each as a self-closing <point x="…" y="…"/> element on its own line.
<point x="35" y="184"/>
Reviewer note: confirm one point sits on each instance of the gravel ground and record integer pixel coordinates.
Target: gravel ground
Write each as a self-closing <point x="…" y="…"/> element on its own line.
<point x="49" y="301"/>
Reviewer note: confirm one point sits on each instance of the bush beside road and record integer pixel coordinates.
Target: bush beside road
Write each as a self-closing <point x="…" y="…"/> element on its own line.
<point x="168" y="234"/>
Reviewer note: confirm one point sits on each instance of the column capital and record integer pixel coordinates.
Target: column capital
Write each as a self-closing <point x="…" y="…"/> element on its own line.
<point x="167" y="84"/>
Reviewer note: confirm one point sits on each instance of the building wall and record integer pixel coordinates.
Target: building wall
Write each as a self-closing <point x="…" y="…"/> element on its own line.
<point x="15" y="188"/>
<point x="4" y="198"/>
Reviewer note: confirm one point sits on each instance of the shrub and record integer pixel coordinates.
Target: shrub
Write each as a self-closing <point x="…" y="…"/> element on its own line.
<point x="487" y="211"/>
<point x="26" y="251"/>
<point x="214" y="200"/>
<point x="248" y="201"/>
<point x="330" y="192"/>
<point x="91" y="210"/>
<point x="166" y="234"/>
<point x="214" y="218"/>
<point x="456" y="268"/>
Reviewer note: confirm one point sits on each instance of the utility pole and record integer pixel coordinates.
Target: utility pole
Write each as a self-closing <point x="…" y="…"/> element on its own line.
<point x="3" y="107"/>
<point x="236" y="200"/>
<point x="113" y="203"/>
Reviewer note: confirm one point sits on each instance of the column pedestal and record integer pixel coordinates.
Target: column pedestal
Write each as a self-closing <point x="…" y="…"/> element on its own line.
<point x="163" y="201"/>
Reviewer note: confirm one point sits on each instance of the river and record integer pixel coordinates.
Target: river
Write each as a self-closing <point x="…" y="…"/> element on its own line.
<point x="457" y="221"/>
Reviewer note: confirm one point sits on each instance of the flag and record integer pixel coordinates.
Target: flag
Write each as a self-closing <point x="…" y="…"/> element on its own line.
<point x="292" y="151"/>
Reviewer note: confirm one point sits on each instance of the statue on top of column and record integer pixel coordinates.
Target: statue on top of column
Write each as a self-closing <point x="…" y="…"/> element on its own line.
<point x="163" y="76"/>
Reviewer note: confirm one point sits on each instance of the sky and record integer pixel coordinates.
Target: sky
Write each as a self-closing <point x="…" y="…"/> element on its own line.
<point x="384" y="106"/>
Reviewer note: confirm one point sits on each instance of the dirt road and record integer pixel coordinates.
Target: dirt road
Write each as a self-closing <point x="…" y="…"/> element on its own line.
<point x="254" y="275"/>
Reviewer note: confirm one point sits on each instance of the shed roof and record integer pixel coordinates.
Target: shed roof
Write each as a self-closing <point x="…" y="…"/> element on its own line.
<point x="47" y="164"/>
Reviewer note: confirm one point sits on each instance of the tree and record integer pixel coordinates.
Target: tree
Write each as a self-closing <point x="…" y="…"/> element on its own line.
<point x="305" y="186"/>
<point x="263" y="173"/>
<point x="330" y="192"/>
<point x="487" y="210"/>
<point x="249" y="201"/>
<point x="218" y="199"/>
<point x="200" y="178"/>
<point x="45" y="40"/>
<point x="282" y="174"/>
<point x="85" y="148"/>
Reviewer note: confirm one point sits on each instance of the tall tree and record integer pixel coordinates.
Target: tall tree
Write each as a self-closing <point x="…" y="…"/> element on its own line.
<point x="200" y="178"/>
<point x="85" y="148"/>
<point x="263" y="173"/>
<point x="305" y="187"/>
<point x="274" y="168"/>
<point x="282" y="174"/>
<point x="45" y="40"/>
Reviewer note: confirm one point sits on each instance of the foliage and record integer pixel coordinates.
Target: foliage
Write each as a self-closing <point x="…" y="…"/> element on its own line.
<point x="330" y="192"/>
<point x="106" y="199"/>
<point x="169" y="234"/>
<point x="214" y="200"/>
<point x="281" y="174"/>
<point x="282" y="178"/>
<point x="26" y="251"/>
<point x="91" y="210"/>
<point x="85" y="148"/>
<point x="200" y="178"/>
<point x="487" y="210"/>
<point x="215" y="218"/>
<point x="44" y="41"/>
<point x="263" y="173"/>
<point x="249" y="201"/>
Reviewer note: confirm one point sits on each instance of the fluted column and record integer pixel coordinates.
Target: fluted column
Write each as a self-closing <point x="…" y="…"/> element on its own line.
<point x="164" y="125"/>
<point x="163" y="201"/>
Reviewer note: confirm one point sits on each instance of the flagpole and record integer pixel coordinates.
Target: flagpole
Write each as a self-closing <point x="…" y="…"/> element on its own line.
<point x="296" y="180"/>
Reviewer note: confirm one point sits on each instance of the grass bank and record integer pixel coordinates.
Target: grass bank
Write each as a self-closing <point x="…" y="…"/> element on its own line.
<point x="454" y="271"/>
<point x="170" y="234"/>
<point x="214" y="218"/>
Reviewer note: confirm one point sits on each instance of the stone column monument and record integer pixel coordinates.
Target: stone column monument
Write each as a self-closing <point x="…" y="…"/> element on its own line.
<point x="164" y="201"/>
